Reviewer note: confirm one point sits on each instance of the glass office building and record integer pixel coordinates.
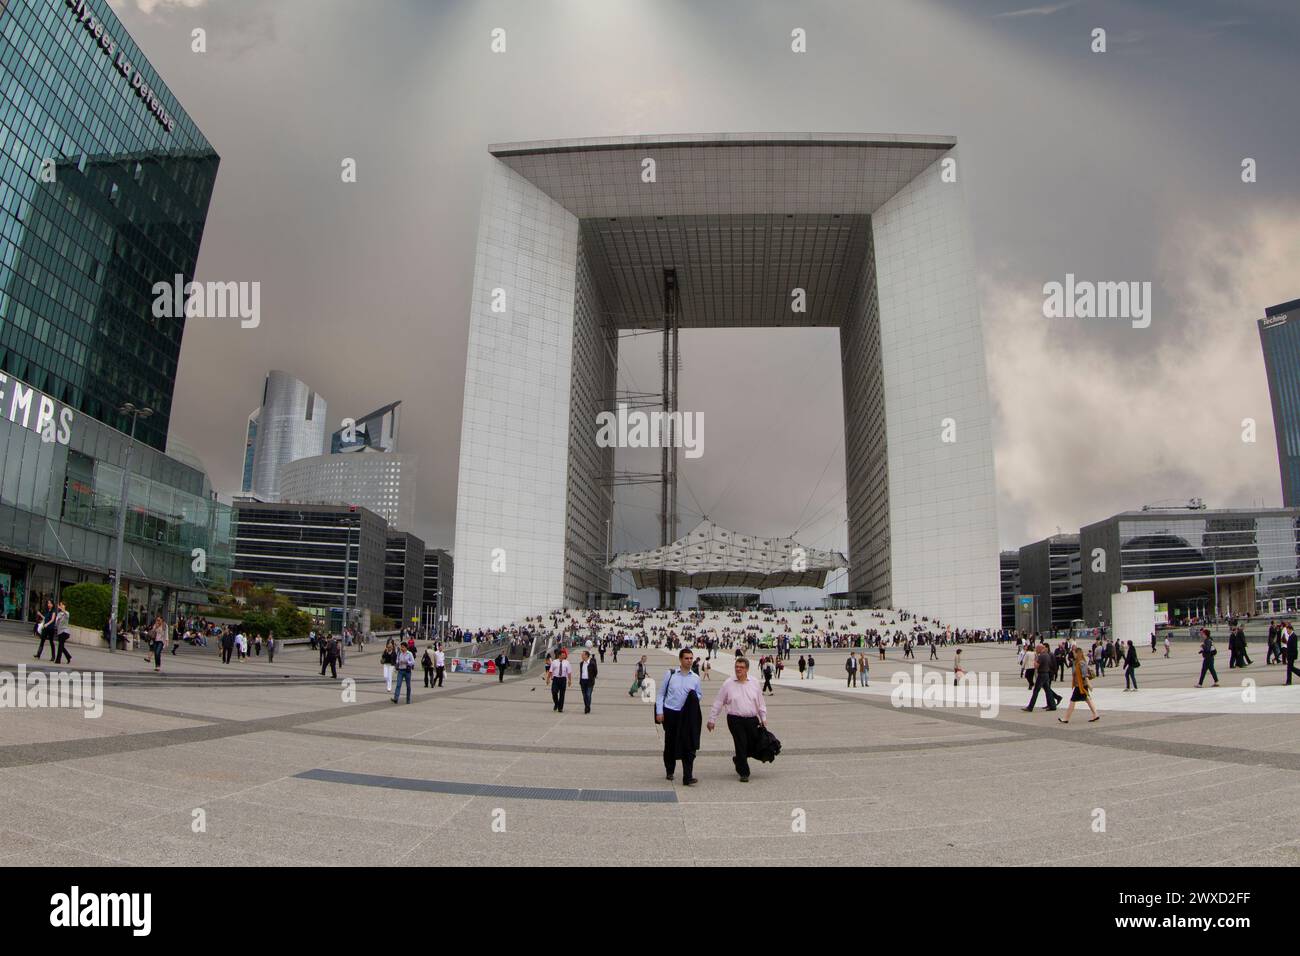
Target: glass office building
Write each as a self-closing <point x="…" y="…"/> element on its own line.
<point x="104" y="190"/>
<point x="1279" y="335"/>
<point x="1199" y="563"/>
<point x="59" y="504"/>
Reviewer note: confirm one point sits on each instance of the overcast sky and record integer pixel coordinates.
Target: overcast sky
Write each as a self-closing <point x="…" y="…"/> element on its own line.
<point x="1124" y="165"/>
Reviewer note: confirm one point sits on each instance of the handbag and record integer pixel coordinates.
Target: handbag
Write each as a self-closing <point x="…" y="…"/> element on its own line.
<point x="653" y="713"/>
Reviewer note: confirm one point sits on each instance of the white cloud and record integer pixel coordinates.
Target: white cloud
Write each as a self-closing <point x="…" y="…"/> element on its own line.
<point x="1085" y="429"/>
<point x="147" y="7"/>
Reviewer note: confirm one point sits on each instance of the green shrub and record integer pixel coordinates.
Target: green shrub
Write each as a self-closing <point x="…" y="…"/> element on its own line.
<point x="88" y="605"/>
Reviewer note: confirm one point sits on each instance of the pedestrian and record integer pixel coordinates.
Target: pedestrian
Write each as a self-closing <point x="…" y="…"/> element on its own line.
<point x="767" y="676"/>
<point x="389" y="659"/>
<point x="439" y="664"/>
<point x="811" y="664"/>
<point x="45" y="629"/>
<point x="1131" y="664"/>
<point x="331" y="656"/>
<point x="426" y="662"/>
<point x="561" y="676"/>
<point x="405" y="663"/>
<point x="63" y="630"/>
<point x="1288" y="642"/>
<point x="502" y="662"/>
<point x="587" y="671"/>
<point x="742" y="701"/>
<point x="1043" y="666"/>
<point x="1208" y="650"/>
<point x="639" y="677"/>
<point x="270" y="648"/>
<point x="677" y="707"/>
<point x="1082" y="689"/>
<point x="1168" y="644"/>
<point x="157" y="640"/>
<point x="803" y="666"/>
<point x="228" y="648"/>
<point x="958" y="672"/>
<point x="851" y="671"/>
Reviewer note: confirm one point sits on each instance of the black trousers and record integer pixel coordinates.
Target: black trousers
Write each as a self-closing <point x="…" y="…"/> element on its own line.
<point x="586" y="686"/>
<point x="330" y="663"/>
<point x="1290" y="668"/>
<point x="558" y="686"/>
<point x="671" y="719"/>
<point x="767" y="683"/>
<point x="501" y="675"/>
<point x="1052" y="697"/>
<point x="438" y="676"/>
<point x="63" y="650"/>
<point x="744" y="734"/>
<point x="428" y="677"/>
<point x="41" y="650"/>
<point x="227" y="651"/>
<point x="1207" y="664"/>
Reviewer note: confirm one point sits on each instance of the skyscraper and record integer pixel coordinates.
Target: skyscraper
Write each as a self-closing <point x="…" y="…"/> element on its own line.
<point x="1279" y="334"/>
<point x="250" y="449"/>
<point x="107" y="184"/>
<point x="376" y="431"/>
<point x="290" y="425"/>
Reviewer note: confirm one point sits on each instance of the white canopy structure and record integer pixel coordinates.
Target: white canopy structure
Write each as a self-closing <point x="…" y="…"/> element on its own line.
<point x="710" y="556"/>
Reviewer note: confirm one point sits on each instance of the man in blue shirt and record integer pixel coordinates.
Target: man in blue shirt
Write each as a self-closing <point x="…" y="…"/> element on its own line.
<point x="679" y="712"/>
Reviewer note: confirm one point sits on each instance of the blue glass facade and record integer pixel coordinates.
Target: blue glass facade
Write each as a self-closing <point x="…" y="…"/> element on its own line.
<point x="104" y="191"/>
<point x="1279" y="334"/>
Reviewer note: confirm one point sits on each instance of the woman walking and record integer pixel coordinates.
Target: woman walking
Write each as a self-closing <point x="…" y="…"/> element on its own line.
<point x="803" y="666"/>
<point x="1082" y="689"/>
<point x="389" y="659"/>
<point x="158" y="640"/>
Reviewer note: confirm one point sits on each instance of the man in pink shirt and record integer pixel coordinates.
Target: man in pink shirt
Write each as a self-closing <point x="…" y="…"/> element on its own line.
<point x="742" y="700"/>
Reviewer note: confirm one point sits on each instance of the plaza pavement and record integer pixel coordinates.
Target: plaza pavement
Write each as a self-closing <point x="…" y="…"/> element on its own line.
<point x="285" y="772"/>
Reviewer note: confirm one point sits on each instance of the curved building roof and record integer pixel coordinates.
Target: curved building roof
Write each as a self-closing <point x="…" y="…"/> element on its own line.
<point x="711" y="556"/>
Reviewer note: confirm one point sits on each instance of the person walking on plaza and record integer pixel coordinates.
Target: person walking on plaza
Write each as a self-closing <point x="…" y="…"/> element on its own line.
<point x="677" y="707"/>
<point x="742" y="701"/>
<point x="587" y="671"/>
<point x="639" y="678"/>
<point x="1288" y="641"/>
<point x="1168" y="644"/>
<point x="1131" y="664"/>
<point x="767" y="676"/>
<point x="404" y="665"/>
<point x="934" y="651"/>
<point x="389" y="659"/>
<point x="1082" y="689"/>
<point x="270" y="648"/>
<point x="45" y="628"/>
<point x="803" y="666"/>
<point x="1208" y="650"/>
<point x="439" y="664"/>
<point x="228" y="648"/>
<point x="157" y="640"/>
<point x="561" y="677"/>
<point x="331" y="657"/>
<point x="63" y="630"/>
<point x="811" y="664"/>
<point x="502" y="662"/>
<point x="851" y="671"/>
<point x="1043" y="666"/>
<point x="864" y="670"/>
<point x="426" y="662"/>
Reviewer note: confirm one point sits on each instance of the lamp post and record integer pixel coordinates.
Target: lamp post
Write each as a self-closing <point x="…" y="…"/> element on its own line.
<point x="136" y="414"/>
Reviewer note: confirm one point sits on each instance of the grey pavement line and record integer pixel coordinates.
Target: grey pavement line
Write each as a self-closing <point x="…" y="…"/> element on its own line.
<point x="489" y="789"/>
<point x="608" y="752"/>
<point x="18" y="755"/>
<point x="1101" y="738"/>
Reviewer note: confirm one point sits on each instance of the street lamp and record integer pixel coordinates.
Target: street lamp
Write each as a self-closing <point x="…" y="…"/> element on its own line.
<point x="136" y="414"/>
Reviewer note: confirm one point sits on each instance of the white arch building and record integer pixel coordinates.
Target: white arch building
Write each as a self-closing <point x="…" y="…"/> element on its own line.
<point x="572" y="244"/>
